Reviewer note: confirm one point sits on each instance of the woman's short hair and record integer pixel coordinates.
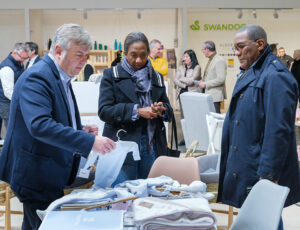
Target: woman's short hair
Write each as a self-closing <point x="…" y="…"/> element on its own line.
<point x="193" y="57"/>
<point x="68" y="33"/>
<point x="134" y="37"/>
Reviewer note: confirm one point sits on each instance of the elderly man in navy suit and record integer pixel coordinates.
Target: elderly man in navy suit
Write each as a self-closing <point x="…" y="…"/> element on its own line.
<point x="45" y="139"/>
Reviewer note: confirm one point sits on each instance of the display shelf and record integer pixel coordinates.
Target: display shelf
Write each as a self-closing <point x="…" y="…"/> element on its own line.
<point x="101" y="59"/>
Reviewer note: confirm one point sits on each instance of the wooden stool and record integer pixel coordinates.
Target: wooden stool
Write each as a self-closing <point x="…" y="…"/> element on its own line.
<point x="5" y="195"/>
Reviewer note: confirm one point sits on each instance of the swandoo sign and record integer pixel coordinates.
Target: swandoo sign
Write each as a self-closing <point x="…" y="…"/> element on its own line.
<point x="215" y="27"/>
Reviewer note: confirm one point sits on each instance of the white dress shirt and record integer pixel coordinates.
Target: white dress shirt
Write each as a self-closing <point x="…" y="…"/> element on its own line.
<point x="8" y="81"/>
<point x="31" y="61"/>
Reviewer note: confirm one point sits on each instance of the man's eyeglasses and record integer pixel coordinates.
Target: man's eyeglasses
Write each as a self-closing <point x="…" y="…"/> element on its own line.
<point x="22" y="58"/>
<point x="240" y="46"/>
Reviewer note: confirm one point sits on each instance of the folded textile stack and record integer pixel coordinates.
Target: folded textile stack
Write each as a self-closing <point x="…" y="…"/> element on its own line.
<point x="151" y="187"/>
<point x="146" y="187"/>
<point x="154" y="213"/>
<point x="85" y="198"/>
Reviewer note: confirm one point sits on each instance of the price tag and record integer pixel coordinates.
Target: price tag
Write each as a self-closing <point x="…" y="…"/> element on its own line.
<point x="84" y="173"/>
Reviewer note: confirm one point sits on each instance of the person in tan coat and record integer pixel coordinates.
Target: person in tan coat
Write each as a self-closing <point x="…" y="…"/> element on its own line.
<point x="213" y="81"/>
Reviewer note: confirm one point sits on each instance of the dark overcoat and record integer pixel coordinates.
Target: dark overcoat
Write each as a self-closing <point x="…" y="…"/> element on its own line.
<point x="116" y="101"/>
<point x="259" y="133"/>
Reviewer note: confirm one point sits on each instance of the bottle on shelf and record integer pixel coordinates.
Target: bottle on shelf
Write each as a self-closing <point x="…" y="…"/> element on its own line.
<point x="116" y="44"/>
<point x="120" y="46"/>
<point x="95" y="45"/>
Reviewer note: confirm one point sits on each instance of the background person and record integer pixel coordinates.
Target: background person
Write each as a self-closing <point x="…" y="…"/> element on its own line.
<point x="186" y="76"/>
<point x="295" y="67"/>
<point x="10" y="70"/>
<point x="258" y="140"/>
<point x="158" y="62"/>
<point x="135" y="99"/>
<point x="284" y="58"/>
<point x="33" y="54"/>
<point x="273" y="48"/>
<point x="214" y="76"/>
<point x="45" y="138"/>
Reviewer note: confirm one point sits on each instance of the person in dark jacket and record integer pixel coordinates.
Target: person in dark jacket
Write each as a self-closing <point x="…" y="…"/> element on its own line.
<point x="45" y="138"/>
<point x="133" y="98"/>
<point x="284" y="58"/>
<point x="295" y="67"/>
<point x="10" y="70"/>
<point x="258" y="140"/>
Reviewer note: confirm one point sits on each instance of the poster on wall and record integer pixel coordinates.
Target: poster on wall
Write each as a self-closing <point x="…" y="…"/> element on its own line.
<point x="171" y="58"/>
<point x="230" y="62"/>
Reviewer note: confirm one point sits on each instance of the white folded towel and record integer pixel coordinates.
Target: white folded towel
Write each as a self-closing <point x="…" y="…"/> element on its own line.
<point x="154" y="213"/>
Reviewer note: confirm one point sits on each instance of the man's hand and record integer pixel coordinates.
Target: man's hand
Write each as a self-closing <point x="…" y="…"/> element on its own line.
<point x="274" y="181"/>
<point x="93" y="129"/>
<point x="103" y="145"/>
<point x="202" y="85"/>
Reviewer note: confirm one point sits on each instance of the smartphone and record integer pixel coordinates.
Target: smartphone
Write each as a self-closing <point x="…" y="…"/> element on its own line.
<point x="196" y="82"/>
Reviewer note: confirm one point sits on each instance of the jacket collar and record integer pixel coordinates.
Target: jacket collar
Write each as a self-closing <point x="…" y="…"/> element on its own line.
<point x="54" y="69"/>
<point x="125" y="75"/>
<point x="50" y="62"/>
<point x="18" y="64"/>
<point x="252" y="73"/>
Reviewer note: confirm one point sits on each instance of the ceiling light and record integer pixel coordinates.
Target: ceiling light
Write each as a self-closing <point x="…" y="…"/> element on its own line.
<point x="240" y="14"/>
<point x="139" y="14"/>
<point x="254" y="14"/>
<point x="275" y="14"/>
<point x="85" y="15"/>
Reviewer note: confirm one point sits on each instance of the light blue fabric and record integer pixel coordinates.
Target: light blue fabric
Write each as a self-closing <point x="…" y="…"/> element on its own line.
<point x="146" y="187"/>
<point x="110" y="164"/>
<point x="140" y="169"/>
<point x="86" y="197"/>
<point x="134" y="115"/>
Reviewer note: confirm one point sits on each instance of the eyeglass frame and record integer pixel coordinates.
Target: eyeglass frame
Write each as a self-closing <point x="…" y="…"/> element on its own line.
<point x="22" y="58"/>
<point x="239" y="49"/>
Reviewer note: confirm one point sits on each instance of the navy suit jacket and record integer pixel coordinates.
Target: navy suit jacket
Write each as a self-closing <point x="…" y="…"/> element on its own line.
<point x="37" y="157"/>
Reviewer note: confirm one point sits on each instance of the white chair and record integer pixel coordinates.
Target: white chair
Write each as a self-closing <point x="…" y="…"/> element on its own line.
<point x="262" y="208"/>
<point x="195" y="106"/>
<point x="215" y="126"/>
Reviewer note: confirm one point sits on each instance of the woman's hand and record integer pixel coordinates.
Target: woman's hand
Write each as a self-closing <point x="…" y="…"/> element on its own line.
<point x="158" y="108"/>
<point x="154" y="111"/>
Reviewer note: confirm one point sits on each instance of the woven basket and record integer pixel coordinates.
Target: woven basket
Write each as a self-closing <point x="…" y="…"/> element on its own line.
<point x="85" y="186"/>
<point x="213" y="188"/>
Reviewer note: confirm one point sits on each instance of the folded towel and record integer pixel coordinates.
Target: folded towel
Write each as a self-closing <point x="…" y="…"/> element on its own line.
<point x="154" y="213"/>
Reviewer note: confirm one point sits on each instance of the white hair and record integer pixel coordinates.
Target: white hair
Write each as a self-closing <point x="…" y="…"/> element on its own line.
<point x="68" y="33"/>
<point x="19" y="47"/>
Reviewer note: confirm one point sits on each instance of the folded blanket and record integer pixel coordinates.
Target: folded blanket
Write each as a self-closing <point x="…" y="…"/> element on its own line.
<point x="154" y="213"/>
<point x="146" y="187"/>
<point x="86" y="197"/>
